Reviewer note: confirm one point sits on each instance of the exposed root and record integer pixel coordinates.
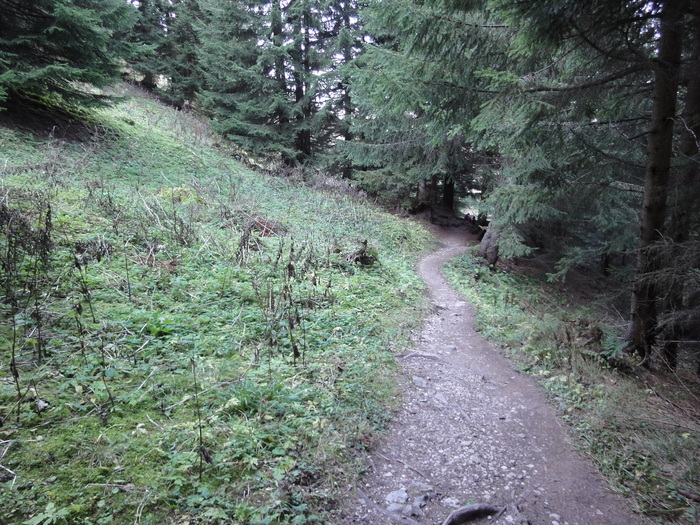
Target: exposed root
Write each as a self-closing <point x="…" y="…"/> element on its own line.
<point x="469" y="513"/>
<point x="425" y="356"/>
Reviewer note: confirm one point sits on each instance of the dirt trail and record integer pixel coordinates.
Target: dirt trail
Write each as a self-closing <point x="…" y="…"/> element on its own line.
<point x="471" y="429"/>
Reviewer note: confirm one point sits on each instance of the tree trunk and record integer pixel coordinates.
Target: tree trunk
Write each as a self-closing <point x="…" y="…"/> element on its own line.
<point x="643" y="324"/>
<point x="148" y="82"/>
<point x="488" y="248"/>
<point x="448" y="192"/>
<point x="278" y="42"/>
<point x="423" y="193"/>
<point x="689" y="191"/>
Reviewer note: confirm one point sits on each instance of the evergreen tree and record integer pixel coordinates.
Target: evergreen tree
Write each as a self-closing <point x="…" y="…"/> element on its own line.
<point x="584" y="116"/>
<point x="343" y="34"/>
<point x="168" y="43"/>
<point x="246" y="82"/>
<point x="262" y="65"/>
<point x="181" y="56"/>
<point x="417" y="92"/>
<point x="149" y="36"/>
<point x="47" y="47"/>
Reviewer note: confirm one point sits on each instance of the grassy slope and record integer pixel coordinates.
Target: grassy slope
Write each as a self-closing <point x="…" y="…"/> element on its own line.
<point x="166" y="359"/>
<point x="642" y="431"/>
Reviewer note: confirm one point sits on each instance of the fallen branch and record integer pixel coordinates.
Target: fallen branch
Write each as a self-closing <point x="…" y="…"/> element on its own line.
<point x="149" y="375"/>
<point x="185" y="400"/>
<point x="403" y="463"/>
<point x="689" y="495"/>
<point x="13" y="474"/>
<point x="7" y="447"/>
<point x="154" y="423"/>
<point x="469" y="513"/>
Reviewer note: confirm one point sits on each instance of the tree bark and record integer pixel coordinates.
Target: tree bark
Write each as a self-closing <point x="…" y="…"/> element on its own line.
<point x="423" y="192"/>
<point x="488" y="248"/>
<point x="644" y="318"/>
<point x="448" y="192"/>
<point x="433" y="189"/>
<point x="689" y="192"/>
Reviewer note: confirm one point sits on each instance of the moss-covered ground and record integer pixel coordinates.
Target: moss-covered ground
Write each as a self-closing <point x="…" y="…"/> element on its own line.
<point x="184" y="339"/>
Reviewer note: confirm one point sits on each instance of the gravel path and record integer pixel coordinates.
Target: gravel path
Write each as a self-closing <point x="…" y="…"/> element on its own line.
<point x="472" y="430"/>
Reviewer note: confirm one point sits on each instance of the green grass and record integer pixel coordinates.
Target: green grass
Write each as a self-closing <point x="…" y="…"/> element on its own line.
<point x="641" y="430"/>
<point x="173" y="361"/>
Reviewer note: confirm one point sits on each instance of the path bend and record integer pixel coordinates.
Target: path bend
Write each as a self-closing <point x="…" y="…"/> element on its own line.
<point x="472" y="429"/>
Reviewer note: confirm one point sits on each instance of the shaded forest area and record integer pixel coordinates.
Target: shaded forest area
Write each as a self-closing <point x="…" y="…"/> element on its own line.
<point x="571" y="128"/>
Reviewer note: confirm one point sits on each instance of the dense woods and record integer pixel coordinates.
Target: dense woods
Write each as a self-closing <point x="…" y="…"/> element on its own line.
<point x="571" y="127"/>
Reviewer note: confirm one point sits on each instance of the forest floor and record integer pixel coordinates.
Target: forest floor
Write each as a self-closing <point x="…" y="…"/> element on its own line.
<point x="471" y="429"/>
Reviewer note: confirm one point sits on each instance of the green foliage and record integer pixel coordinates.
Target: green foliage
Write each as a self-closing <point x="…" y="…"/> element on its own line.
<point x="183" y="338"/>
<point x="415" y="89"/>
<point x="272" y="73"/>
<point x="248" y="106"/>
<point x="49" y="47"/>
<point x="150" y="34"/>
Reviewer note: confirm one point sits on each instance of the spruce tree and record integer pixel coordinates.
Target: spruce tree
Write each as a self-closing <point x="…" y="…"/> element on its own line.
<point x="149" y="36"/>
<point x="180" y="60"/>
<point x="342" y="33"/>
<point x="416" y="93"/>
<point x="246" y="81"/>
<point x="49" y="47"/>
<point x="262" y="65"/>
<point x="594" y="118"/>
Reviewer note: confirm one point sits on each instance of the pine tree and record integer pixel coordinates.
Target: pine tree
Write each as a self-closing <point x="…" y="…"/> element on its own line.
<point x="417" y="93"/>
<point x="167" y="43"/>
<point x="246" y="90"/>
<point x="149" y="36"/>
<point x="343" y="34"/>
<point x="181" y="58"/>
<point x="262" y="65"/>
<point x="591" y="98"/>
<point x="48" y="47"/>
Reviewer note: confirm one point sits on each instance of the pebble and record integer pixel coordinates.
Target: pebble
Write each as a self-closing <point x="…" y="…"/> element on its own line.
<point x="451" y="502"/>
<point x="420" y="382"/>
<point x="398" y="496"/>
<point x="440" y="397"/>
<point x="395" y="507"/>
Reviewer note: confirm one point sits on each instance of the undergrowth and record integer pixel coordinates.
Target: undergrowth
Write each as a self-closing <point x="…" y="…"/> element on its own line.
<point x="184" y="340"/>
<point x="642" y="430"/>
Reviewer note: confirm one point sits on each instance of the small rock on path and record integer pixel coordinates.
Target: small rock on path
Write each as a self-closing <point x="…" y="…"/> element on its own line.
<point x="472" y="429"/>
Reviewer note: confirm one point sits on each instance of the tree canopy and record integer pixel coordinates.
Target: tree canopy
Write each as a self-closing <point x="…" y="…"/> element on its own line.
<point x="47" y="47"/>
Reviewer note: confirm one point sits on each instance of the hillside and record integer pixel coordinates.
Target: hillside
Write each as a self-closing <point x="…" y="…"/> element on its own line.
<point x="184" y="336"/>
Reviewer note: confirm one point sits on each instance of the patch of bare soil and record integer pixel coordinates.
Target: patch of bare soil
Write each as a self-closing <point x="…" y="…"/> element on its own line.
<point x="45" y="123"/>
<point x="472" y="430"/>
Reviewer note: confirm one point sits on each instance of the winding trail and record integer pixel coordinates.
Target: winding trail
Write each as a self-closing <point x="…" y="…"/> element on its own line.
<point x="471" y="429"/>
